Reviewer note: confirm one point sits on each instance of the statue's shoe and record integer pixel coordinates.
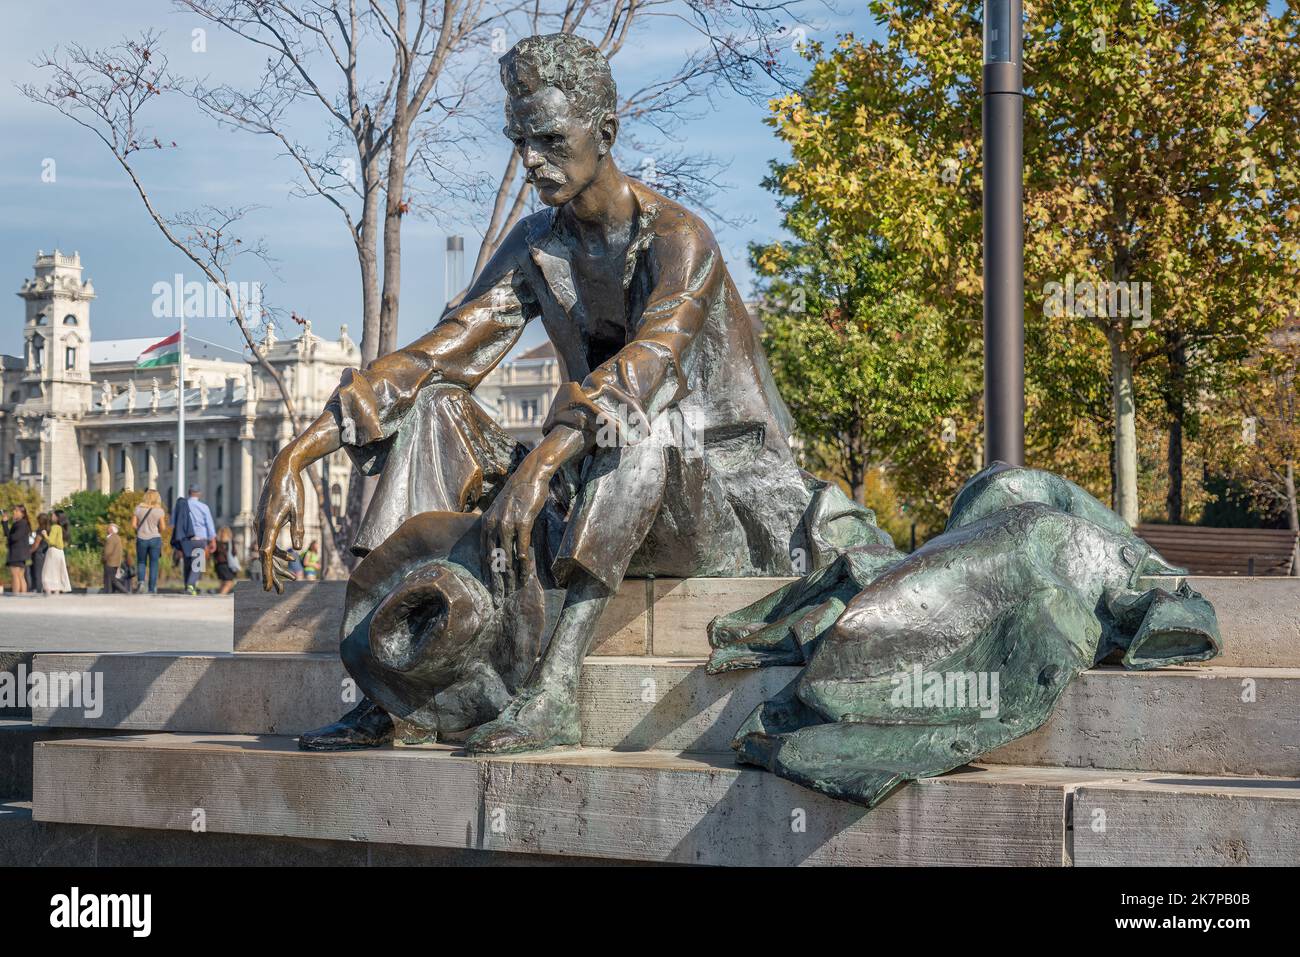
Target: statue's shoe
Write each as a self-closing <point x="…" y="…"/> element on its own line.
<point x="536" y="719"/>
<point x="365" y="726"/>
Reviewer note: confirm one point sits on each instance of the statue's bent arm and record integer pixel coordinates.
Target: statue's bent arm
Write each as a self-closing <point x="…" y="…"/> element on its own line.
<point x="369" y="406"/>
<point x="647" y="375"/>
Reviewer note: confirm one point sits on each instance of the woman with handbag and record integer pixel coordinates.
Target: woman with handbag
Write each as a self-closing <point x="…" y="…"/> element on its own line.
<point x="149" y="522"/>
<point x="18" y="531"/>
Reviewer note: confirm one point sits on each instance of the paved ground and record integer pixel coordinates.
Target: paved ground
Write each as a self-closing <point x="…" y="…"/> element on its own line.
<point x="108" y="623"/>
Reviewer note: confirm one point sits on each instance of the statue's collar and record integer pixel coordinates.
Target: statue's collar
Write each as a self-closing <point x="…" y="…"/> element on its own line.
<point x="551" y="246"/>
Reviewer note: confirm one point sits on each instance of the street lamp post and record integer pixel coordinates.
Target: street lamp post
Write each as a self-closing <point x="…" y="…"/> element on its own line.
<point x="1004" y="241"/>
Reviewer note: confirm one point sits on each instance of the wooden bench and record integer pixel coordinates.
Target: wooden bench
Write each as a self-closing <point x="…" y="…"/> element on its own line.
<point x="1224" y="551"/>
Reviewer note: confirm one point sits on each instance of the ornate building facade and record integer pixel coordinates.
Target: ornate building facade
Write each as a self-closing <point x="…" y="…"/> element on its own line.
<point x="77" y="414"/>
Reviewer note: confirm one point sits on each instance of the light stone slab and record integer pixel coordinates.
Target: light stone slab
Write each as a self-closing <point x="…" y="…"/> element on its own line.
<point x="112" y="623"/>
<point x="669" y="617"/>
<point x="1173" y="821"/>
<point x="683" y="608"/>
<point x="1191" y="720"/>
<point x="651" y="806"/>
<point x="247" y="693"/>
<point x="665" y="616"/>
<point x="1184" y="719"/>
<point x="260" y="785"/>
<point x="308" y="617"/>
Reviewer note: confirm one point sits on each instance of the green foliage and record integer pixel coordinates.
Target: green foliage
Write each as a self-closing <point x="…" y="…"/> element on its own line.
<point x="120" y="512"/>
<point x="868" y="371"/>
<point x="86" y="512"/>
<point x="15" y="493"/>
<point x="1159" y="142"/>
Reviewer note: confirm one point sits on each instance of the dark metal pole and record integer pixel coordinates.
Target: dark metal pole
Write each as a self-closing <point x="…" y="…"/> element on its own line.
<point x="1004" y="241"/>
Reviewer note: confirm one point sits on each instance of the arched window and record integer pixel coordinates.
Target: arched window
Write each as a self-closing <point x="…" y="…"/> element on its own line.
<point x="70" y="357"/>
<point x="38" y="351"/>
<point x="69" y="320"/>
<point x="15" y="396"/>
<point x="40" y="318"/>
<point x="336" y="497"/>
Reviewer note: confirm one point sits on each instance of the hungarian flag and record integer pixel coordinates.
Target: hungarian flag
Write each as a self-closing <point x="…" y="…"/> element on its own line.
<point x="164" y="353"/>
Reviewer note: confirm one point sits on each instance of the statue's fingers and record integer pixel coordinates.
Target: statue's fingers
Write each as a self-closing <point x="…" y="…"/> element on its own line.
<point x="525" y="554"/>
<point x="508" y="533"/>
<point x="268" y="570"/>
<point x="296" y="527"/>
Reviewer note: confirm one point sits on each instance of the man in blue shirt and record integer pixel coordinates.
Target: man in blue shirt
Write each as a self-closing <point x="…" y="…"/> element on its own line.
<point x="202" y="532"/>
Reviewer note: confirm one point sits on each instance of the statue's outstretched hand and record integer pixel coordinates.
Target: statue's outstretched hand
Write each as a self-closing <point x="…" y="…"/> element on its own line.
<point x="282" y="503"/>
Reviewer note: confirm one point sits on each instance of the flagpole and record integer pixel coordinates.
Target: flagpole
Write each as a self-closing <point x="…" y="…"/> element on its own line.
<point x="182" y="488"/>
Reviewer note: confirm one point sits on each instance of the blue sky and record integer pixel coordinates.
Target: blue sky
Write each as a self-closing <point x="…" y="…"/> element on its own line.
<point x="91" y="207"/>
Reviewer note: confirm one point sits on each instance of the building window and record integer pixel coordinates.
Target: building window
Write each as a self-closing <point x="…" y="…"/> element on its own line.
<point x="336" y="497"/>
<point x="69" y="320"/>
<point x="40" y="318"/>
<point x="121" y="459"/>
<point x="220" y="496"/>
<point x="99" y="463"/>
<point x="38" y="352"/>
<point x="171" y="498"/>
<point x="70" y="357"/>
<point x="171" y="459"/>
<point x="221" y="457"/>
<point x="528" y="409"/>
<point x="194" y="456"/>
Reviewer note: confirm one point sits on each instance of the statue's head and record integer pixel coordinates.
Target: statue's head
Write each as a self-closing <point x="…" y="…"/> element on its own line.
<point x="560" y="112"/>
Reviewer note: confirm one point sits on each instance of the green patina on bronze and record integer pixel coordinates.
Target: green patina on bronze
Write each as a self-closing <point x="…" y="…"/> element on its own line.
<point x="915" y="665"/>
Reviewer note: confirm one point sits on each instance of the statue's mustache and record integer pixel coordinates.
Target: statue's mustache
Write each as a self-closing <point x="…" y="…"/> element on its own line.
<point x="549" y="174"/>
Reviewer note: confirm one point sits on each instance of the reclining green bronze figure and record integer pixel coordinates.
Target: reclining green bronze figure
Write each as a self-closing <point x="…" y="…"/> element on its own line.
<point x="915" y="665"/>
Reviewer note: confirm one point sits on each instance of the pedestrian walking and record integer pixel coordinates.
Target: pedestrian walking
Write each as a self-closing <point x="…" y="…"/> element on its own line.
<point x="311" y="561"/>
<point x="54" y="573"/>
<point x="112" y="557"/>
<point x="18" y="537"/>
<point x="39" y="547"/>
<point x="194" y="534"/>
<point x="148" y="522"/>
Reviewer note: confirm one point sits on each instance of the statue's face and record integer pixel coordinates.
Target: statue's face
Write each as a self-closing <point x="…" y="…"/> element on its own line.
<point x="560" y="151"/>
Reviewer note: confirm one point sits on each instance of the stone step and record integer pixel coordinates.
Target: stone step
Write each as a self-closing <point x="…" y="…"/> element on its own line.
<point x="646" y="806"/>
<point x="18" y="737"/>
<point x="113" y="623"/>
<point x="648" y="616"/>
<point x="1184" y="821"/>
<point x="668" y="617"/>
<point x="26" y="842"/>
<point x="1190" y="720"/>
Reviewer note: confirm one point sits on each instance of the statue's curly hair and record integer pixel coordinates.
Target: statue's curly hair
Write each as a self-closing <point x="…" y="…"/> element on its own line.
<point x="567" y="62"/>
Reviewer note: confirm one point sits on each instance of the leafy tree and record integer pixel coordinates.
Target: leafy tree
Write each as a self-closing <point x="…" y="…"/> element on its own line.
<point x="15" y="493"/>
<point x="1263" y="431"/>
<point x="86" y="511"/>
<point x="1159" y="143"/>
<point x="863" y="366"/>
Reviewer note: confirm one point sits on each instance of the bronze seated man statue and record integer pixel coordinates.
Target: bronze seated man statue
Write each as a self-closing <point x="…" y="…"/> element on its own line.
<point x="487" y="566"/>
